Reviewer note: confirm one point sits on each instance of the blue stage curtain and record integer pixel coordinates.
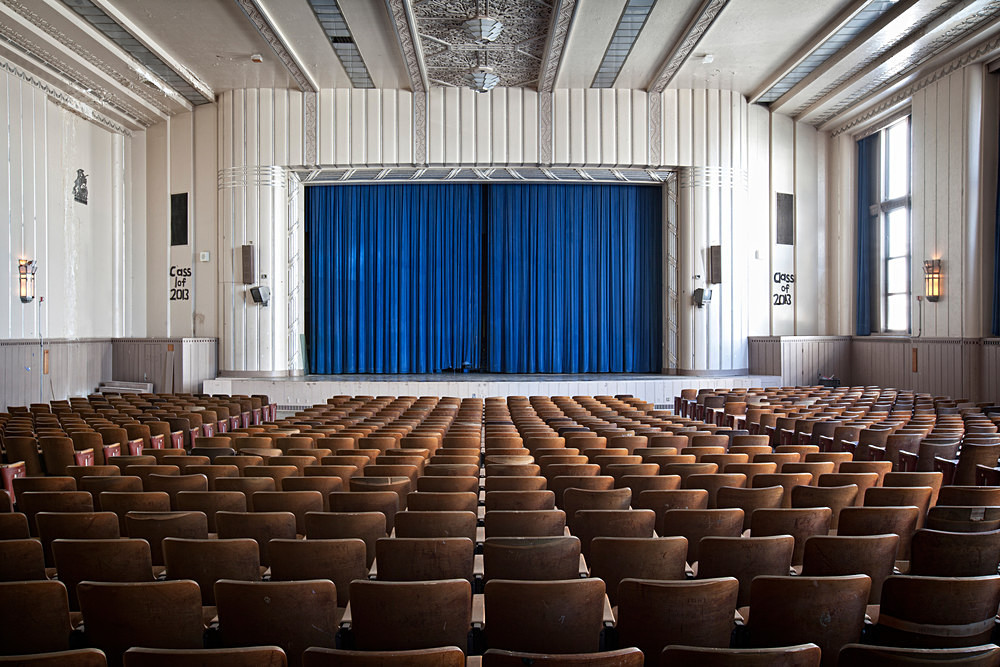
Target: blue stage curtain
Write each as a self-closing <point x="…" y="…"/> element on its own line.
<point x="996" y="264"/>
<point x="573" y="279"/>
<point x="395" y="277"/>
<point x="868" y="195"/>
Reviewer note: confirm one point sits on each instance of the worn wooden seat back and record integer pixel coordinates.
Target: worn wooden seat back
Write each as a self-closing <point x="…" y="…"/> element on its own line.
<point x="22" y="560"/>
<point x="881" y="520"/>
<point x="827" y="611"/>
<point x="339" y="560"/>
<point x="613" y="559"/>
<point x="938" y="612"/>
<point x="386" y="502"/>
<point x="860" y="655"/>
<point x="544" y="616"/>
<point x="800" y="523"/>
<point x="368" y="527"/>
<point x="260" y="526"/>
<point x="531" y="558"/>
<point x="745" y="558"/>
<point x="695" y="524"/>
<point x="74" y="526"/>
<point x="123" y="560"/>
<point x="834" y="497"/>
<point x="155" y="526"/>
<point x="800" y="655"/>
<point x="655" y="614"/>
<point x="34" y="617"/>
<point x="588" y="524"/>
<point x="449" y="656"/>
<point x="403" y="615"/>
<point x="525" y="523"/>
<point x="206" y="561"/>
<point x="436" y="523"/>
<point x="261" y="656"/>
<point x="835" y="555"/>
<point x="291" y="614"/>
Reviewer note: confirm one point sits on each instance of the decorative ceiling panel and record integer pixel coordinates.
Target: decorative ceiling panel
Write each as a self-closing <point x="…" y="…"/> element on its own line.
<point x="450" y="51"/>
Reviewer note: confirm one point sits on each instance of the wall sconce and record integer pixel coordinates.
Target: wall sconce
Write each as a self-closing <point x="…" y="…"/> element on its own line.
<point x="701" y="296"/>
<point x="932" y="279"/>
<point x="26" y="279"/>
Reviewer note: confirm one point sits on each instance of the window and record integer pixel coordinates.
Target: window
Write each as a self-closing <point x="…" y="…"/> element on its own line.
<point x="893" y="243"/>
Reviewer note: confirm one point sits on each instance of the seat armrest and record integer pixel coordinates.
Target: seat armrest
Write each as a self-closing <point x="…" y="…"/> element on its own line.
<point x="479" y="611"/>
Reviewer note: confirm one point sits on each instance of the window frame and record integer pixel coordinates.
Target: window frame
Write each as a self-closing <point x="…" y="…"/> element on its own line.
<point x="883" y="242"/>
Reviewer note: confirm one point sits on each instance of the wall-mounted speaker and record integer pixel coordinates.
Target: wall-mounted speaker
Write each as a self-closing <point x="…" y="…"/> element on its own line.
<point x="715" y="264"/>
<point x="246" y="260"/>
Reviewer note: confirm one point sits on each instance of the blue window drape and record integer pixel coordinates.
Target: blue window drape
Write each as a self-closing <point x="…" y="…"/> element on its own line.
<point x="395" y="278"/>
<point x="868" y="195"/>
<point x="573" y="279"/>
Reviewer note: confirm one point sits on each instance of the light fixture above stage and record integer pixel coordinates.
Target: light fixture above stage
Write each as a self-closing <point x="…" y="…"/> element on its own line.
<point x="483" y="28"/>
<point x="482" y="78"/>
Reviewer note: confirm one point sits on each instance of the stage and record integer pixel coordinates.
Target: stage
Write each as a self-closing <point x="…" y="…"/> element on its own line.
<point x="294" y="393"/>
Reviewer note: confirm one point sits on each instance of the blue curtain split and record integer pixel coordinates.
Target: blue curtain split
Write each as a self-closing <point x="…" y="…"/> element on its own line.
<point x="497" y="278"/>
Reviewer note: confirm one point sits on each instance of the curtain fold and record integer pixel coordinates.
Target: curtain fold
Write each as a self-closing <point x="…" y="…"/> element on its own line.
<point x="868" y="195"/>
<point x="573" y="279"/>
<point x="995" y="329"/>
<point x="394" y="278"/>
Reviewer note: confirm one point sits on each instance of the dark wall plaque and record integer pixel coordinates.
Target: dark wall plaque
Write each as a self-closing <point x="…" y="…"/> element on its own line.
<point x="179" y="219"/>
<point x="786" y="219"/>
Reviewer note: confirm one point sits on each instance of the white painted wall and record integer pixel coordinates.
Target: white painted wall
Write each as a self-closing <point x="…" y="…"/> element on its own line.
<point x="87" y="274"/>
<point x="953" y="206"/>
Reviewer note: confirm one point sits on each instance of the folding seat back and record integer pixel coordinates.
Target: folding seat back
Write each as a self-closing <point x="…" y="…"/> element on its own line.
<point x="248" y="486"/>
<point x="900" y="496"/>
<point x="22" y="560"/>
<point x="661" y="502"/>
<point x="835" y="555"/>
<point x="31" y="503"/>
<point x="297" y="503"/>
<point x="34" y="617"/>
<point x="424" y="558"/>
<point x="13" y="526"/>
<point x="123" y="560"/>
<point x="525" y="523"/>
<point x="800" y="523"/>
<point x="520" y="500"/>
<point x="211" y="502"/>
<point x="341" y="561"/>
<point x="260" y="526"/>
<point x="938" y="612"/>
<point x="155" y="526"/>
<point x="531" y="558"/>
<point x="24" y="448"/>
<point x="386" y="502"/>
<point x="786" y="480"/>
<point x="744" y="558"/>
<point x="544" y="616"/>
<point x="695" y="524"/>
<point x="800" y="655"/>
<point x="206" y="561"/>
<point x="74" y="526"/>
<point x="123" y="502"/>
<point x="946" y="554"/>
<point x="264" y="656"/>
<point x="879" y="521"/>
<point x="560" y="483"/>
<point x="588" y="524"/>
<point x="162" y="614"/>
<point x="860" y="655"/>
<point x="173" y="484"/>
<point x="503" y="483"/>
<point x="655" y="614"/>
<point x="99" y="484"/>
<point x="455" y="502"/>
<point x="403" y="615"/>
<point x="366" y="526"/>
<point x="436" y="523"/>
<point x="834" y="497"/>
<point x="982" y="496"/>
<point x="448" y="656"/>
<point x="827" y="611"/>
<point x="587" y="499"/>
<point x="712" y="483"/>
<point x="863" y="481"/>
<point x="613" y="559"/>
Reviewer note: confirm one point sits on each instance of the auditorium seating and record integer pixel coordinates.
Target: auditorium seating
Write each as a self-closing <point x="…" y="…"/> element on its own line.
<point x="510" y="514"/>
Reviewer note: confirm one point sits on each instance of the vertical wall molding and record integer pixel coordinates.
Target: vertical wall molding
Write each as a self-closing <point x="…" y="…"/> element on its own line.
<point x="310" y="126"/>
<point x="655" y="127"/>
<point x="420" y="128"/>
<point x="545" y="128"/>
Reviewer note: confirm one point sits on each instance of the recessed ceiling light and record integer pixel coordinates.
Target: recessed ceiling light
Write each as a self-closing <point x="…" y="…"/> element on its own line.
<point x="256" y="58"/>
<point x="707" y="59"/>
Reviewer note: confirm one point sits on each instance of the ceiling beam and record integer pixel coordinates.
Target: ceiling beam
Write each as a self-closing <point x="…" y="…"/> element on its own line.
<point x="562" y="17"/>
<point x="401" y="13"/>
<point x="907" y="55"/>
<point x="685" y="45"/>
<point x="264" y="24"/>
<point x="817" y="40"/>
